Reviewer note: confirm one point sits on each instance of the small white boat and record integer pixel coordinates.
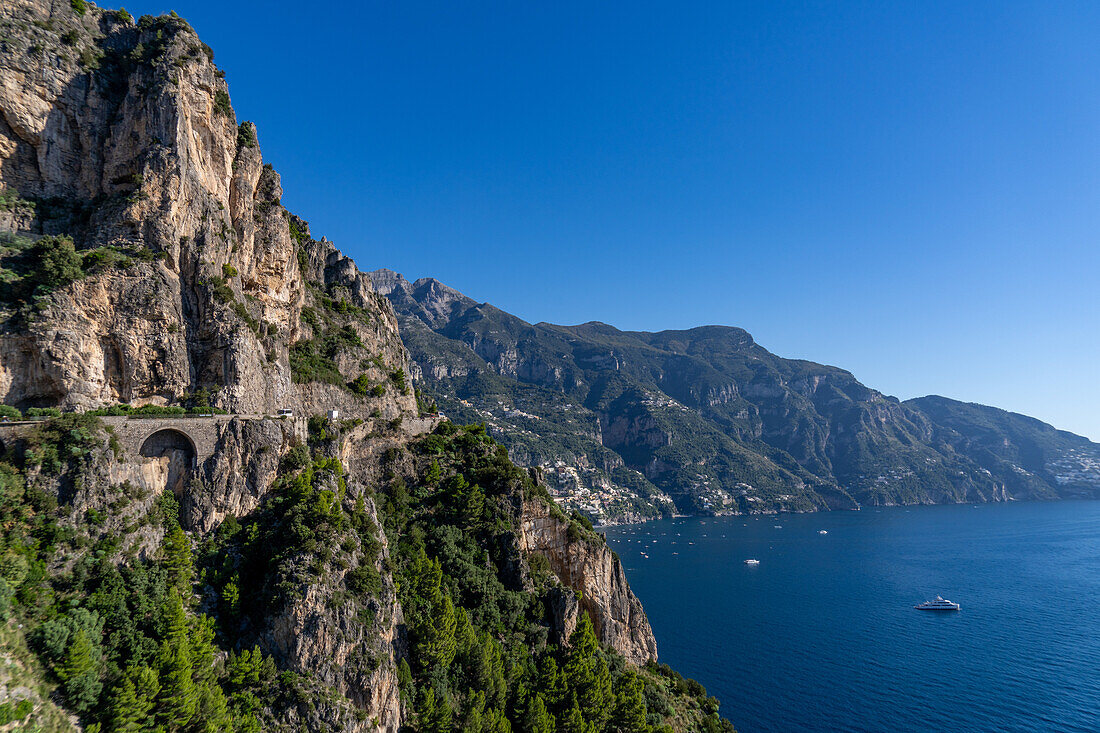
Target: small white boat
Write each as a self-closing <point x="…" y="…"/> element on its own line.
<point x="752" y="561"/>
<point x="940" y="604"/>
<point x="779" y="526"/>
<point x="822" y="531"/>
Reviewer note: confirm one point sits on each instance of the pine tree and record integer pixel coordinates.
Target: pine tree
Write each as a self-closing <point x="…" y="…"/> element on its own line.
<point x="574" y="722"/>
<point x="473" y="714"/>
<point x="431" y="478"/>
<point x="433" y="620"/>
<point x="483" y="662"/>
<point x="537" y="719"/>
<point x="178" y="560"/>
<point x="79" y="673"/>
<point x="438" y="648"/>
<point x="598" y="699"/>
<point x="630" y="708"/>
<point x="405" y="681"/>
<point x="587" y="675"/>
<point x="551" y="682"/>
<point x="133" y="700"/>
<point x="444" y="716"/>
<point x="583" y="643"/>
<point x="124" y="708"/>
<point x="78" y="658"/>
<point x="473" y="506"/>
<point x="425" y="709"/>
<point x="496" y="687"/>
<point x="211" y="711"/>
<point x="423" y="579"/>
<point x="231" y="598"/>
<point x="520" y="697"/>
<point x="434" y="714"/>
<point x="126" y="713"/>
<point x="203" y="651"/>
<point x="178" y="698"/>
<point x="146" y="687"/>
<point x="467" y="646"/>
<point x="495" y="721"/>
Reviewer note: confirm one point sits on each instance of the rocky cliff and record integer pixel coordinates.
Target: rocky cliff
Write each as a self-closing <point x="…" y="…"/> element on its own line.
<point x="121" y="136"/>
<point x="595" y="573"/>
<point x="146" y="260"/>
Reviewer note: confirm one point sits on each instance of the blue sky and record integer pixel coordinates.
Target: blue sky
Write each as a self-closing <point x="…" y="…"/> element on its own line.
<point x="907" y="190"/>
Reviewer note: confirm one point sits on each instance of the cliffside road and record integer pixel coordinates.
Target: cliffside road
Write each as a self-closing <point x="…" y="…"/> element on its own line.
<point x="145" y="436"/>
<point x="138" y="434"/>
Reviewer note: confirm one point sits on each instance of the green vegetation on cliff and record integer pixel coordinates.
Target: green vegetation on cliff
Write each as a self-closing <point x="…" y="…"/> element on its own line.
<point x="178" y="639"/>
<point x="479" y="653"/>
<point x="31" y="269"/>
<point x="119" y="636"/>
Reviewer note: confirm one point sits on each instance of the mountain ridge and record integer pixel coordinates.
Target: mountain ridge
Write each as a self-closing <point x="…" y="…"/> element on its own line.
<point x="792" y="434"/>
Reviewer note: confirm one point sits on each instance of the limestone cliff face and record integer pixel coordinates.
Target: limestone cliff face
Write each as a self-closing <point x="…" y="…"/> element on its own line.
<point x="591" y="569"/>
<point x="123" y="136"/>
<point x="324" y="635"/>
<point x="244" y="466"/>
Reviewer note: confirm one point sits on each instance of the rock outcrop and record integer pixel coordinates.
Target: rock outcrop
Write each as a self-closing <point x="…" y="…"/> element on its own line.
<point x="244" y="466"/>
<point x="122" y="136"/>
<point x="594" y="572"/>
<point x="324" y="635"/>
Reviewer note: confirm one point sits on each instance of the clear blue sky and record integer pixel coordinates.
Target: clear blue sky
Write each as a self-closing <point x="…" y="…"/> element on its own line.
<point x="908" y="190"/>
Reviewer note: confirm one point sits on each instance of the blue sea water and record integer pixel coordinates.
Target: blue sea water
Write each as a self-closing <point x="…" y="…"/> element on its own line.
<point x="822" y="634"/>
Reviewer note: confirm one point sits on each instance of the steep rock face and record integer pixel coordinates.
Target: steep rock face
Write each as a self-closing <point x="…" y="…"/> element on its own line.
<point x="323" y="635"/>
<point x="159" y="156"/>
<point x="595" y="572"/>
<point x="121" y="135"/>
<point x="244" y="466"/>
<point x="92" y="347"/>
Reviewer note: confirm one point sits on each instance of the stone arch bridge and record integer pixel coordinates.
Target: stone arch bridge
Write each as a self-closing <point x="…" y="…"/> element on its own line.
<point x="140" y="434"/>
<point x="145" y="436"/>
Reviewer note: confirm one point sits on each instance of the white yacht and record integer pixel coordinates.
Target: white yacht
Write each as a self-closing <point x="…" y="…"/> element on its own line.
<point x="823" y="531"/>
<point x="752" y="561"/>
<point x="938" y="605"/>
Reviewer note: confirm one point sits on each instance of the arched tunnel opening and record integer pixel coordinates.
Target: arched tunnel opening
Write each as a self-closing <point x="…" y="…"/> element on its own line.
<point x="171" y="455"/>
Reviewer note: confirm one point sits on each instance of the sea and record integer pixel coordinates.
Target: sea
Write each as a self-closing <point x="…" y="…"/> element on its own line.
<point x="822" y="634"/>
